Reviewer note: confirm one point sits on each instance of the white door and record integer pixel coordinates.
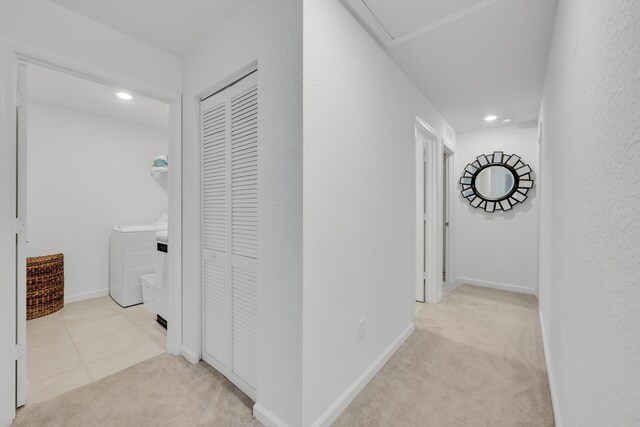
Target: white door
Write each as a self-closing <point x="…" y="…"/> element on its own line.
<point x="421" y="216"/>
<point x="229" y="143"/>
<point x="21" y="238"/>
<point x="445" y="216"/>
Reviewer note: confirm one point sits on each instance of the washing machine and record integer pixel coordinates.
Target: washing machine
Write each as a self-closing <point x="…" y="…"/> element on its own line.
<point x="132" y="253"/>
<point x="161" y="278"/>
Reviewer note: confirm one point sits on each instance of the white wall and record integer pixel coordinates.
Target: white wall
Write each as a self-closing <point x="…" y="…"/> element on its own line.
<point x="85" y="174"/>
<point x="497" y="249"/>
<point x="43" y="28"/>
<point x="359" y="216"/>
<point x="590" y="214"/>
<point x="269" y="31"/>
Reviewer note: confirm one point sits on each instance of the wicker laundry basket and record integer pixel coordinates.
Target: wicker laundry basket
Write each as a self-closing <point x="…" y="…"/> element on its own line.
<point x="45" y="285"/>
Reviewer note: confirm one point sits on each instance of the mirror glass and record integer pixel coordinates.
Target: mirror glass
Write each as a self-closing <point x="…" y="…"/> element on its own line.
<point x="494" y="182"/>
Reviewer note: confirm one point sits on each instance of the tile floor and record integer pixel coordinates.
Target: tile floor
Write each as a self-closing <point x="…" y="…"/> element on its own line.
<point x="86" y="341"/>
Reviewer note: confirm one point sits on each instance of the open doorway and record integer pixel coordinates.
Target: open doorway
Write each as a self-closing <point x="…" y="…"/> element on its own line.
<point x="93" y="197"/>
<point x="426" y="167"/>
<point x="433" y="166"/>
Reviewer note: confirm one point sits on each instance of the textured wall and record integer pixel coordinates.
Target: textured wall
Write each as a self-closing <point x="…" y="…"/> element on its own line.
<point x="87" y="173"/>
<point x="269" y="31"/>
<point x="360" y="112"/>
<point x="42" y="26"/>
<point x="590" y="213"/>
<point x="497" y="249"/>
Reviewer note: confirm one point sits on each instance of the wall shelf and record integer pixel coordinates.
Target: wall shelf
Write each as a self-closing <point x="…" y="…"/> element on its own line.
<point x="159" y="169"/>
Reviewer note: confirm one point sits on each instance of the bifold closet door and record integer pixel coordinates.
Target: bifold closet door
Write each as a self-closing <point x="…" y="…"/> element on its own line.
<point x="229" y="131"/>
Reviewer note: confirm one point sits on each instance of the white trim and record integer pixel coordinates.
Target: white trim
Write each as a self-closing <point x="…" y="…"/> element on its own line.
<point x="266" y="418"/>
<point x="433" y="192"/>
<point x="448" y="151"/>
<point x="332" y="413"/>
<point x="22" y="53"/>
<point x="222" y="84"/>
<point x="496" y="285"/>
<point x="12" y="53"/>
<point x="22" y="385"/>
<point x="174" y="326"/>
<point x="191" y="356"/>
<point x="8" y="102"/>
<point x="449" y="19"/>
<point x="82" y="296"/>
<point x="364" y="14"/>
<point x="552" y="379"/>
<point x="420" y="158"/>
<point x="447" y="146"/>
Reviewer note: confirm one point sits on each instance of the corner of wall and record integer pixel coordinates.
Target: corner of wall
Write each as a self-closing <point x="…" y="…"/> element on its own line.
<point x="334" y="411"/>
<point x="266" y="418"/>
<point x="550" y="373"/>
<point x="192" y="357"/>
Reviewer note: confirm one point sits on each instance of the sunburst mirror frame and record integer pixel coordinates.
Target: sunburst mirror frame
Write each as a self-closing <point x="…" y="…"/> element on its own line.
<point x="522" y="176"/>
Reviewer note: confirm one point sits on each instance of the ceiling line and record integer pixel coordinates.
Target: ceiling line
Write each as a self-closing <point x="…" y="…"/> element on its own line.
<point x="469" y="10"/>
<point x="362" y="11"/>
<point x="380" y="24"/>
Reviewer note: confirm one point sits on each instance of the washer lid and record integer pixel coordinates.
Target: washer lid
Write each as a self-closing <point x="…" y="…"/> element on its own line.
<point x="162" y="236"/>
<point x="136" y="228"/>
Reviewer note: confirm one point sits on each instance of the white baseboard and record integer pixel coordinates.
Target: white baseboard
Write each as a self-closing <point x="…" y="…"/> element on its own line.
<point x="266" y="418"/>
<point x="190" y="355"/>
<point x="496" y="285"/>
<point x="85" y="296"/>
<point x="332" y="413"/>
<point x="552" y="379"/>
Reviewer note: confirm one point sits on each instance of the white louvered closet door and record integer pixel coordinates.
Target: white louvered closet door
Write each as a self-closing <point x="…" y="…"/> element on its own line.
<point x="229" y="129"/>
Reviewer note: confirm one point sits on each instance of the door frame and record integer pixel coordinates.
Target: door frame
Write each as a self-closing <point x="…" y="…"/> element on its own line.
<point x="448" y="153"/>
<point x="10" y="56"/>
<point x="432" y="257"/>
<point x="426" y="282"/>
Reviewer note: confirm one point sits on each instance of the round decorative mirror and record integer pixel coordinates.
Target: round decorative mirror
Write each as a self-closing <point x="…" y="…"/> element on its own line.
<point x="496" y="181"/>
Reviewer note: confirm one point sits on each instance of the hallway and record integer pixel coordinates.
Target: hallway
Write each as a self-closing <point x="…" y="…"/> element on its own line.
<point x="475" y="359"/>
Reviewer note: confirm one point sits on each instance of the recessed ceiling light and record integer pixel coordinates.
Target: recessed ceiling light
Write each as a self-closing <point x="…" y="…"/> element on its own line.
<point x="490" y="118"/>
<point x="506" y="121"/>
<point x="124" y="95"/>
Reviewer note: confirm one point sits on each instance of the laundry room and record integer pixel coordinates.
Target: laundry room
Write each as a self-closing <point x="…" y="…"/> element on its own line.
<point x="96" y="185"/>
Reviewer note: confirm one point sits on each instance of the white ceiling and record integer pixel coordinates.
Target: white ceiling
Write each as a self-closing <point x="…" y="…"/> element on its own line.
<point x="413" y="14"/>
<point x="471" y="58"/>
<point x="65" y="90"/>
<point x="174" y="26"/>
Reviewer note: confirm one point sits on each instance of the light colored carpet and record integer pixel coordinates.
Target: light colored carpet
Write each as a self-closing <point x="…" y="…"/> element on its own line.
<point x="475" y="359"/>
<point x="163" y="391"/>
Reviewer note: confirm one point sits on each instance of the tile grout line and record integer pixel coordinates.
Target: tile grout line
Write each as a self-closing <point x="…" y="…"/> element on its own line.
<point x="84" y="365"/>
<point x="148" y="339"/>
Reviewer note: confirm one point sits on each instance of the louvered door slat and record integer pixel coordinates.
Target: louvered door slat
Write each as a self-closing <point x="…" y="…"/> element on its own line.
<point x="215" y="224"/>
<point x="215" y="173"/>
<point x="229" y="132"/>
<point x="244" y="228"/>
<point x="244" y="324"/>
<point x="244" y="167"/>
<point x="215" y="311"/>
